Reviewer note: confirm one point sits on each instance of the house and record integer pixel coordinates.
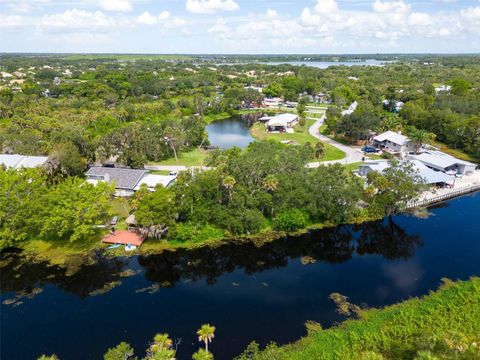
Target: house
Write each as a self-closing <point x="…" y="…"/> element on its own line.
<point x="351" y="109"/>
<point x="16" y="161"/>
<point x="281" y="123"/>
<point x="430" y="177"/>
<point x="397" y="105"/>
<point x="127" y="181"/>
<point x="440" y="161"/>
<point x="394" y="142"/>
<point x="443" y="88"/>
<point x="272" y="102"/>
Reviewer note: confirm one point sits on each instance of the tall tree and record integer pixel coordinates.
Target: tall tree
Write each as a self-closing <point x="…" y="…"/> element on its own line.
<point x="206" y="334"/>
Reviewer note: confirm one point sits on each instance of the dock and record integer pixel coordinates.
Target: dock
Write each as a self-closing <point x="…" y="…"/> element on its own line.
<point x="124" y="237"/>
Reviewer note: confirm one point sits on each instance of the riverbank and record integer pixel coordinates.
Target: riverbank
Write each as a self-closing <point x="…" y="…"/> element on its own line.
<point x="64" y="253"/>
<point x="444" y="323"/>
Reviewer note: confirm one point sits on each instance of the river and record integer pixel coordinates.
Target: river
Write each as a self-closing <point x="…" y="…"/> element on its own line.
<point x="249" y="293"/>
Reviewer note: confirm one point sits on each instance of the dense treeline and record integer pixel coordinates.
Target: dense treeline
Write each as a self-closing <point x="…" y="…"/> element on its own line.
<point x="129" y="107"/>
<point x="31" y="207"/>
<point x="268" y="186"/>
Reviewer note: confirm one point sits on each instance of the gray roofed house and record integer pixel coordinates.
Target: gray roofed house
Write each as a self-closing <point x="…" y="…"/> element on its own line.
<point x="440" y="161"/>
<point x="430" y="176"/>
<point x="17" y="161"/>
<point x="125" y="179"/>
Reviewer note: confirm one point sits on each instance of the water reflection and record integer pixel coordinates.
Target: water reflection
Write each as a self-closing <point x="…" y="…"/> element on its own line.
<point x="334" y="245"/>
<point x="91" y="274"/>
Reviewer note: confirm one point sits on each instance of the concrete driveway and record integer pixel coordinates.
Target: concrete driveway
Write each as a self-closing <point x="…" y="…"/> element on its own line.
<point x="353" y="154"/>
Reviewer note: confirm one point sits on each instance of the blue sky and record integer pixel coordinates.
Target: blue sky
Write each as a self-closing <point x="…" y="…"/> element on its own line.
<point x="240" y="26"/>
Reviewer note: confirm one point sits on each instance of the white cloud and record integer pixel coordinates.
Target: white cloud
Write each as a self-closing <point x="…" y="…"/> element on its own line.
<point x="164" y="19"/>
<point x="420" y="19"/>
<point x="308" y="18"/>
<point x="326" y="7"/>
<point x="76" y="21"/>
<point x="271" y="13"/>
<point x="116" y="5"/>
<point x="24" y="6"/>
<point x="11" y="21"/>
<point x="210" y="6"/>
<point x="391" y="6"/>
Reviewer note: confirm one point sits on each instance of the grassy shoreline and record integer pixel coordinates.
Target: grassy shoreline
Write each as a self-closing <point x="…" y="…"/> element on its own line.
<point x="443" y="323"/>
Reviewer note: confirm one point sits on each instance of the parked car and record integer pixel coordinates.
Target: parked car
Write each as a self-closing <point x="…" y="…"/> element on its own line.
<point x="370" y="149"/>
<point x="114" y="221"/>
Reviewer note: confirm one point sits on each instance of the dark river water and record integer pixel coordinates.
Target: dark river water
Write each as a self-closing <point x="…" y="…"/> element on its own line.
<point x="249" y="293"/>
<point x="228" y="133"/>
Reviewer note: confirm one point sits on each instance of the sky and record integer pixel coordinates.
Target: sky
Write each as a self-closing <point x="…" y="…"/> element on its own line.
<point x="240" y="26"/>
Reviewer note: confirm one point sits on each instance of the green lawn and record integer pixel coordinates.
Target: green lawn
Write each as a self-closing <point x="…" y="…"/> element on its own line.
<point x="194" y="157"/>
<point x="301" y="136"/>
<point x="444" y="325"/>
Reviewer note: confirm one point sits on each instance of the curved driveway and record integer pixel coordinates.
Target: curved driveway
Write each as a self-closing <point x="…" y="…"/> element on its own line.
<point x="353" y="154"/>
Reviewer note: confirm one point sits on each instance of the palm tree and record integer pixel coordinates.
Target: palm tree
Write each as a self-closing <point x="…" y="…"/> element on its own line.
<point x="319" y="150"/>
<point x="228" y="183"/>
<point x="270" y="183"/>
<point x="161" y="341"/>
<point x="206" y="334"/>
<point x="419" y="137"/>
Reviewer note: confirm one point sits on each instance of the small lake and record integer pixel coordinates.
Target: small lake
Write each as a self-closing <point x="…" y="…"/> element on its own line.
<point x="228" y="133"/>
<point x="249" y="293"/>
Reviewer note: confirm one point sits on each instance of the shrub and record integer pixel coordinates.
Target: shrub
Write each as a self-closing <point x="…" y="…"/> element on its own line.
<point x="290" y="220"/>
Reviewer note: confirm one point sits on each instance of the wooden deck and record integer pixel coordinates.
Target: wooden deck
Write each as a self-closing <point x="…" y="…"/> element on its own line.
<point x="124" y="237"/>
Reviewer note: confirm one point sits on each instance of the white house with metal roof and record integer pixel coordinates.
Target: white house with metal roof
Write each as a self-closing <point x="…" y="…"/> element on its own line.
<point x="127" y="181"/>
<point x="440" y="161"/>
<point x="17" y="161"/>
<point x="430" y="176"/>
<point x="281" y="122"/>
<point x="394" y="142"/>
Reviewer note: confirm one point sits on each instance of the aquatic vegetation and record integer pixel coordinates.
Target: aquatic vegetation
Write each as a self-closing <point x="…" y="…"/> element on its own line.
<point x="441" y="325"/>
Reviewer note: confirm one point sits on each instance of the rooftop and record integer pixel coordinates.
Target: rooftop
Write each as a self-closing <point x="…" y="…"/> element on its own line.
<point x="18" y="161"/>
<point x="392" y="136"/>
<point x="439" y="159"/>
<point x="124" y="178"/>
<point x="430" y="176"/>
<point x="152" y="180"/>
<point x="282" y="119"/>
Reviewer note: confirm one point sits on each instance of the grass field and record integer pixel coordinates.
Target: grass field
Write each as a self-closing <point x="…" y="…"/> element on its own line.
<point x="194" y="157"/>
<point x="301" y="136"/>
<point x="443" y="325"/>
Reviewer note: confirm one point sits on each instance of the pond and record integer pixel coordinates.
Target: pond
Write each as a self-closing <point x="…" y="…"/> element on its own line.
<point x="228" y="133"/>
<point x="249" y="293"/>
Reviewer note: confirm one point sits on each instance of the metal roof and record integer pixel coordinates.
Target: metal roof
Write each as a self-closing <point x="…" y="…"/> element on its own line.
<point x="18" y="161"/>
<point x="392" y="136"/>
<point x="439" y="159"/>
<point x="282" y="119"/>
<point x="430" y="176"/>
<point x="124" y="178"/>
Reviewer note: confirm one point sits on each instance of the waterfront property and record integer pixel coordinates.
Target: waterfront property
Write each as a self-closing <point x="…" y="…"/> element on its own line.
<point x="375" y="263"/>
<point x="440" y="161"/>
<point x="394" y="142"/>
<point x="431" y="177"/>
<point x="283" y="123"/>
<point x="127" y="181"/>
<point x="17" y="161"/>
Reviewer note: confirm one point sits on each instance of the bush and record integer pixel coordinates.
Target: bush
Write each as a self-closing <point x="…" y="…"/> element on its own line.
<point x="290" y="220"/>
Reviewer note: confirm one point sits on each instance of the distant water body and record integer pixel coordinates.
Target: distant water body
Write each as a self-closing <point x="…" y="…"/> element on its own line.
<point x="327" y="64"/>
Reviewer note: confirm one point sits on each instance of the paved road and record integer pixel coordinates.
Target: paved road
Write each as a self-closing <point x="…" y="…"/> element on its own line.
<point x="353" y="154"/>
<point x="172" y="167"/>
